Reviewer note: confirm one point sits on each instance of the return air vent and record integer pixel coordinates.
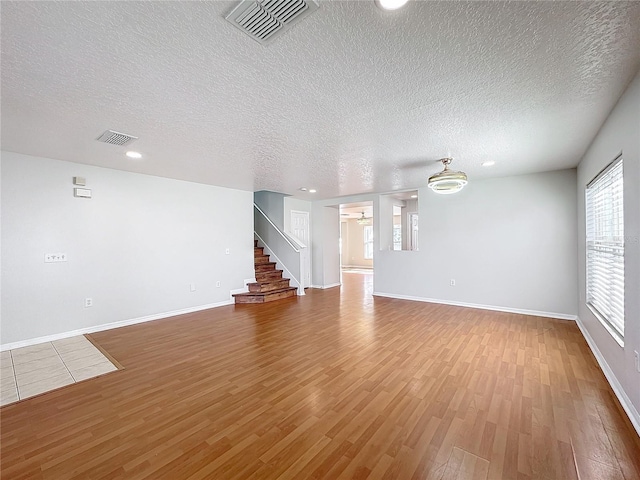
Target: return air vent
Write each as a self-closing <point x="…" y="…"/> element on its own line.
<point x="116" y="138"/>
<point x="264" y="20"/>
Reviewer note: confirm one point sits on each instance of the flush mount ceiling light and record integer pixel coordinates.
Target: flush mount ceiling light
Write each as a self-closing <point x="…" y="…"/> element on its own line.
<point x="447" y="181"/>
<point x="312" y="190"/>
<point x="363" y="220"/>
<point x="390" y="4"/>
<point x="132" y="154"/>
<point x="488" y="163"/>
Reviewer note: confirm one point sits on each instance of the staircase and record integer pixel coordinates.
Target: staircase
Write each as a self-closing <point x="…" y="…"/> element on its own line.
<point x="269" y="284"/>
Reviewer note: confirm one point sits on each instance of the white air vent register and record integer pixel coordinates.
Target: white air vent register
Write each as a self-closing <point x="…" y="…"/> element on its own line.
<point x="264" y="20"/>
<point x="116" y="138"/>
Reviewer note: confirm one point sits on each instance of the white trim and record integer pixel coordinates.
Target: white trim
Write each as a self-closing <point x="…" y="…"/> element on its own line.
<point x="522" y="311"/>
<point x="109" y="326"/>
<point x="331" y="285"/>
<point x="628" y="407"/>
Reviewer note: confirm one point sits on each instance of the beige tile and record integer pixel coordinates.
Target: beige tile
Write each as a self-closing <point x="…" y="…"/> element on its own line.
<point x="32" y="348"/>
<point x="71" y="344"/>
<point x="7" y="383"/>
<point x="93" y="371"/>
<point x="39" y="364"/>
<point x="6" y="372"/>
<point x="28" y="354"/>
<point x="5" y="358"/>
<point x="40" y="375"/>
<point x="80" y="353"/>
<point x="78" y="363"/>
<point x="70" y="340"/>
<point x="31" y="389"/>
<point x="8" y="396"/>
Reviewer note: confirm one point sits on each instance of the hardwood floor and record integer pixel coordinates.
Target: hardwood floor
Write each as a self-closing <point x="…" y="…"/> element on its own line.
<point x="335" y="384"/>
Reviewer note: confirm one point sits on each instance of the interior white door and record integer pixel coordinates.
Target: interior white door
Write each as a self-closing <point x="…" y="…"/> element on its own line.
<point x="413" y="222"/>
<point x="300" y="230"/>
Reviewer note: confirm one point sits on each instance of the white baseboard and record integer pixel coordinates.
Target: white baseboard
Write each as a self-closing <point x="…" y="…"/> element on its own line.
<point x="522" y="311"/>
<point x="244" y="289"/>
<point x="331" y="285"/>
<point x="109" y="326"/>
<point x="628" y="407"/>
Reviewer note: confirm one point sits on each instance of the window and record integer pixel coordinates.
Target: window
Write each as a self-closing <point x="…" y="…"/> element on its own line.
<point x="605" y="247"/>
<point x="368" y="242"/>
<point x="397" y="237"/>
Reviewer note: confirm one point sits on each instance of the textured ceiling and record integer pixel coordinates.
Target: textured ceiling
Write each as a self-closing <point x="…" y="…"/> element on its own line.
<point x="351" y="100"/>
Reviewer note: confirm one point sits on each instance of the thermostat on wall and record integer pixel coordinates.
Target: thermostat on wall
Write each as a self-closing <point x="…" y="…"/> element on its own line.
<point x="79" y="181"/>
<point x="82" y="192"/>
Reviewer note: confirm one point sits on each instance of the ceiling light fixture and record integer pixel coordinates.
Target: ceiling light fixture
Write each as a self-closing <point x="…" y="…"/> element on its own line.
<point x="447" y="181"/>
<point x="391" y="4"/>
<point x="313" y="190"/>
<point x="488" y="163"/>
<point x="131" y="154"/>
<point x="363" y="220"/>
<point x="303" y="189"/>
<point x="414" y="196"/>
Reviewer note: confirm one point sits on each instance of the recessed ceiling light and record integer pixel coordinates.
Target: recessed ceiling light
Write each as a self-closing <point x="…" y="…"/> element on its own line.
<point x="313" y="190"/>
<point x="488" y="163"/>
<point x="414" y="196"/>
<point x="131" y="154"/>
<point x="391" y="4"/>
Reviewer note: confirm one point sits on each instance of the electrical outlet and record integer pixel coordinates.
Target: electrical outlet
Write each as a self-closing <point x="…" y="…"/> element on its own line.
<point x="218" y="284"/>
<point x="452" y="282"/>
<point x="636" y="360"/>
<point x="88" y="302"/>
<point x="192" y="287"/>
<point x="226" y="251"/>
<point x="55" y="257"/>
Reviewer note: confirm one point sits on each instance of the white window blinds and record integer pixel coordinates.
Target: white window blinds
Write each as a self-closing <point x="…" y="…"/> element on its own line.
<point x="605" y="246"/>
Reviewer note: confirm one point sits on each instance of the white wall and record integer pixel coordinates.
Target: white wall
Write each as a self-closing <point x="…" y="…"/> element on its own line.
<point x="325" y="247"/>
<point x="272" y="204"/>
<point x="620" y="133"/>
<point x="134" y="248"/>
<point x="509" y="243"/>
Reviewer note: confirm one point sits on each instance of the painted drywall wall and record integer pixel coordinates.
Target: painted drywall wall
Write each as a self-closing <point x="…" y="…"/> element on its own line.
<point x="272" y="204"/>
<point x="353" y="254"/>
<point x="619" y="134"/>
<point x="135" y="247"/>
<point x="507" y="242"/>
<point x="325" y="246"/>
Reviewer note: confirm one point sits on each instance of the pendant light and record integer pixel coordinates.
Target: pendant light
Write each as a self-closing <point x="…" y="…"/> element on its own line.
<point x="447" y="181"/>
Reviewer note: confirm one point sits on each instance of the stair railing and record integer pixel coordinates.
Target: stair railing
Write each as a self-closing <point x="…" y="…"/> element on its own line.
<point x="289" y="254"/>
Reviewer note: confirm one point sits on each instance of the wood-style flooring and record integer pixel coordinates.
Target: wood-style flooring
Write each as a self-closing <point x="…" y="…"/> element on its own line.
<point x="335" y="384"/>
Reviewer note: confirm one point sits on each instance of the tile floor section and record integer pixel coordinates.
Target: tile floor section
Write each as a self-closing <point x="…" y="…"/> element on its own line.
<point x="39" y="368"/>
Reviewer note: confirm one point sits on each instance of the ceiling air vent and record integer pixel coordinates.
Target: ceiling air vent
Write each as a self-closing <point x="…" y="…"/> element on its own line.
<point x="264" y="20"/>
<point x="116" y="138"/>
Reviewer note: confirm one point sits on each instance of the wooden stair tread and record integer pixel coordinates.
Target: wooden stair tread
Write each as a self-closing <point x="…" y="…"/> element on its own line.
<point x="262" y="294"/>
<point x="264" y="297"/>
<point x="270" y="285"/>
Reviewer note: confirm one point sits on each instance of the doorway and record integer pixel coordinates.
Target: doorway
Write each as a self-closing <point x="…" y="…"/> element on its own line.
<point x="356" y="238"/>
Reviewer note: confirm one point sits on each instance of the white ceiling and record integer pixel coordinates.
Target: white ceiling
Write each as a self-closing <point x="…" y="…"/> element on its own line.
<point x="351" y="100"/>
